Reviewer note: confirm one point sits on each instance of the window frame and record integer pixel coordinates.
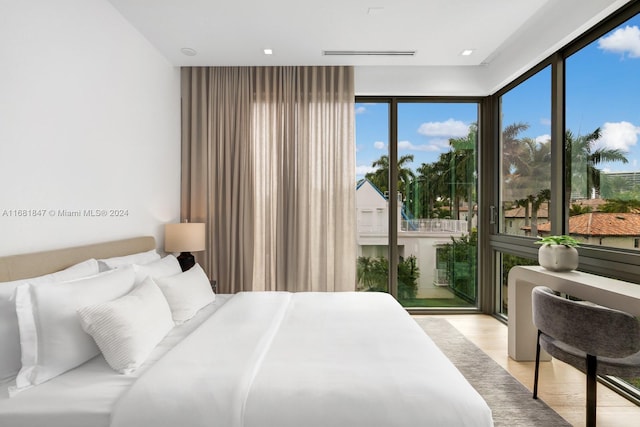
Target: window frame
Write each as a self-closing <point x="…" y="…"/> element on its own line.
<point x="393" y="102"/>
<point x="618" y="263"/>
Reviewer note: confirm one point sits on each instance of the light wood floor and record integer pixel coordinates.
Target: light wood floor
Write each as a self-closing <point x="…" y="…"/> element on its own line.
<point x="561" y="386"/>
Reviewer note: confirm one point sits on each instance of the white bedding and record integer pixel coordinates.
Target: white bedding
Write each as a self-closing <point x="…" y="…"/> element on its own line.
<point x="85" y="396"/>
<point x="280" y="359"/>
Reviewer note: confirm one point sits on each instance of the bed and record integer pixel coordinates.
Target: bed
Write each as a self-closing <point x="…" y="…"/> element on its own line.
<point x="251" y="359"/>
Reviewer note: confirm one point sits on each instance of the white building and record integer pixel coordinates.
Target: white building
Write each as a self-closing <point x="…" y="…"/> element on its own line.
<point x="418" y="237"/>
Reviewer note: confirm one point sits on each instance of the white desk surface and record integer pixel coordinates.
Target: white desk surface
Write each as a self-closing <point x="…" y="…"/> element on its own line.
<point x="612" y="293"/>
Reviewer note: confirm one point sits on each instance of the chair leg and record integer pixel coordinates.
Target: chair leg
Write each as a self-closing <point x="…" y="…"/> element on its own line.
<point x="535" y="377"/>
<point x="592" y="367"/>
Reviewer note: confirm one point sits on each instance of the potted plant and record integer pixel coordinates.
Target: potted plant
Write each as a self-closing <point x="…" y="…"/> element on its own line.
<point x="558" y="253"/>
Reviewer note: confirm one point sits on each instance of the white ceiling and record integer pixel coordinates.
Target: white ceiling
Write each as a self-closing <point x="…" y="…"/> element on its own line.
<point x="226" y="32"/>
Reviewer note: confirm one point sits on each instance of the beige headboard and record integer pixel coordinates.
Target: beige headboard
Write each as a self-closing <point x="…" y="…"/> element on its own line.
<point x="23" y="266"/>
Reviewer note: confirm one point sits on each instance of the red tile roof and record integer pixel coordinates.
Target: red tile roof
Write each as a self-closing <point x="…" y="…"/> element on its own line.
<point x="600" y="224"/>
<point x="520" y="211"/>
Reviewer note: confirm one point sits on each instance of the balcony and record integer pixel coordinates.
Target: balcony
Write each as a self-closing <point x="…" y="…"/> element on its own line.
<point x="434" y="225"/>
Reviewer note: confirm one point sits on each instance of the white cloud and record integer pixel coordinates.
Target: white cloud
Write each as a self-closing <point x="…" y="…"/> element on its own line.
<point x="543" y="138"/>
<point x="450" y="128"/>
<point x="363" y="170"/>
<point x="379" y="145"/>
<point x="545" y="121"/>
<point x="619" y="136"/>
<point x="407" y="145"/>
<point x="360" y="110"/>
<point x="623" y="40"/>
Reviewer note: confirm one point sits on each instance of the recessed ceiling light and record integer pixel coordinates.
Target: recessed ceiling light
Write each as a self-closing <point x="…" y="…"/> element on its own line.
<point x="375" y="10"/>
<point x="268" y="52"/>
<point x="188" y="51"/>
<point x="466" y="52"/>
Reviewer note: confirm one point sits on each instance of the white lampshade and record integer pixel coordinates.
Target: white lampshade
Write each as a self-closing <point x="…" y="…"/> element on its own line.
<point x="184" y="237"/>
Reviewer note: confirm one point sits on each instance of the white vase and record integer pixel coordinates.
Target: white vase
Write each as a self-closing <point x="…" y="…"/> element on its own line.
<point x="558" y="257"/>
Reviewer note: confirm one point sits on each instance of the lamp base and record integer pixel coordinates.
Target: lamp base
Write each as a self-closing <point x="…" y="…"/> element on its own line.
<point x="186" y="260"/>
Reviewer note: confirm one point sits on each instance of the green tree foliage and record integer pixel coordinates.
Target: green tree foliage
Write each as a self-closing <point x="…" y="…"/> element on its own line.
<point x="508" y="262"/>
<point x="526" y="172"/>
<point x="620" y="206"/>
<point x="380" y="177"/>
<point x="446" y="182"/>
<point x="583" y="176"/>
<point x="373" y="274"/>
<point x="462" y="258"/>
<point x="577" y="209"/>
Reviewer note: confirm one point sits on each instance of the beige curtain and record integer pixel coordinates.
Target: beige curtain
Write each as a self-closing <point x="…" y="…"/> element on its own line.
<point x="268" y="163"/>
<point x="217" y="170"/>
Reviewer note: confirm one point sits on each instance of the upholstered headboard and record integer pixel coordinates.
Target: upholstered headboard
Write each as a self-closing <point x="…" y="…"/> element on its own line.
<point x="23" y="266"/>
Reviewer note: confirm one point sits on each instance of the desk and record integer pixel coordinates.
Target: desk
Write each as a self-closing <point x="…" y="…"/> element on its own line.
<point x="612" y="293"/>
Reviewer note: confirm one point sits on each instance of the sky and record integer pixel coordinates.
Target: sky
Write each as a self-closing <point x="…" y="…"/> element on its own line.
<point x="602" y="90"/>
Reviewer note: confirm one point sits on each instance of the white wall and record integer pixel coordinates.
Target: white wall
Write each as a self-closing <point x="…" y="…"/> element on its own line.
<point x="89" y="120"/>
<point x="424" y="81"/>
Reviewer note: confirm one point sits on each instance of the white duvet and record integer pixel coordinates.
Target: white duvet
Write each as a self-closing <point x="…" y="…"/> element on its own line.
<point x="304" y="359"/>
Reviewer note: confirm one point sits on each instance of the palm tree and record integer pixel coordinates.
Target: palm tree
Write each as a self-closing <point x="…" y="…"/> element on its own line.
<point x="583" y="177"/>
<point x="464" y="169"/>
<point x="531" y="179"/>
<point x="523" y="203"/>
<point x="380" y="177"/>
<point x="439" y="177"/>
<point x="542" y="196"/>
<point x="405" y="174"/>
<point x="425" y="191"/>
<point x="516" y="158"/>
<point x="513" y="157"/>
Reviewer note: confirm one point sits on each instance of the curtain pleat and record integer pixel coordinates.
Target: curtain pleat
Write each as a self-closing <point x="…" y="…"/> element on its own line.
<point x="217" y="170"/>
<point x="268" y="163"/>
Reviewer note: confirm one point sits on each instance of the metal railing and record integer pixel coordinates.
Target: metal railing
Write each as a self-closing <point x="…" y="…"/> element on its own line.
<point x="434" y="225"/>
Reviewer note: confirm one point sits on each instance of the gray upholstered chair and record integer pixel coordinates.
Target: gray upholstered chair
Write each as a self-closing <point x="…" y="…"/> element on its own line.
<point x="590" y="337"/>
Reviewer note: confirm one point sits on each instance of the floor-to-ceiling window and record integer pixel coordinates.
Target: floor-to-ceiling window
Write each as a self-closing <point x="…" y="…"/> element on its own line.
<point x="574" y="120"/>
<point x="602" y="118"/>
<point x="524" y="167"/>
<point x="431" y="148"/>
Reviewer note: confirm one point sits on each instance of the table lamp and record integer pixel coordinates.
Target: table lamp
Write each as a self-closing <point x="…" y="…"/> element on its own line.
<point x="184" y="237"/>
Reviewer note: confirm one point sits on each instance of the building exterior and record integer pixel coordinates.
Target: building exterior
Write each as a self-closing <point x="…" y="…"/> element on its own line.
<point x="421" y="238"/>
<point x="617" y="230"/>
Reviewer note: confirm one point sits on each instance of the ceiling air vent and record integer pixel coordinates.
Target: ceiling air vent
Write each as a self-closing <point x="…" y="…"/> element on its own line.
<point x="369" y="52"/>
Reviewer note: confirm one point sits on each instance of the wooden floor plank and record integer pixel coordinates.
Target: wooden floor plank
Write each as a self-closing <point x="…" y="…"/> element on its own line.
<point x="561" y="386"/>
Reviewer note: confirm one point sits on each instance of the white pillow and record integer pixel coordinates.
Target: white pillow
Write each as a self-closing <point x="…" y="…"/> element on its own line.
<point x="9" y="333"/>
<point x="186" y="292"/>
<point x="167" y="266"/>
<point x="51" y="338"/>
<point x="122" y="261"/>
<point x="127" y="329"/>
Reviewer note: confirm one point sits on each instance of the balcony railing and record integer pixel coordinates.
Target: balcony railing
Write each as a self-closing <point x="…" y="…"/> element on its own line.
<point x="432" y="225"/>
<point x="419" y="226"/>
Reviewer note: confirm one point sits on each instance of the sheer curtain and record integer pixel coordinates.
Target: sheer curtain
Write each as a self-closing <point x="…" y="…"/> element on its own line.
<point x="268" y="163"/>
<point x="217" y="171"/>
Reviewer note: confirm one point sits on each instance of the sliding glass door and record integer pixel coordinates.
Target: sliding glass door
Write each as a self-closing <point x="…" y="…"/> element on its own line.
<point x="430" y="147"/>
